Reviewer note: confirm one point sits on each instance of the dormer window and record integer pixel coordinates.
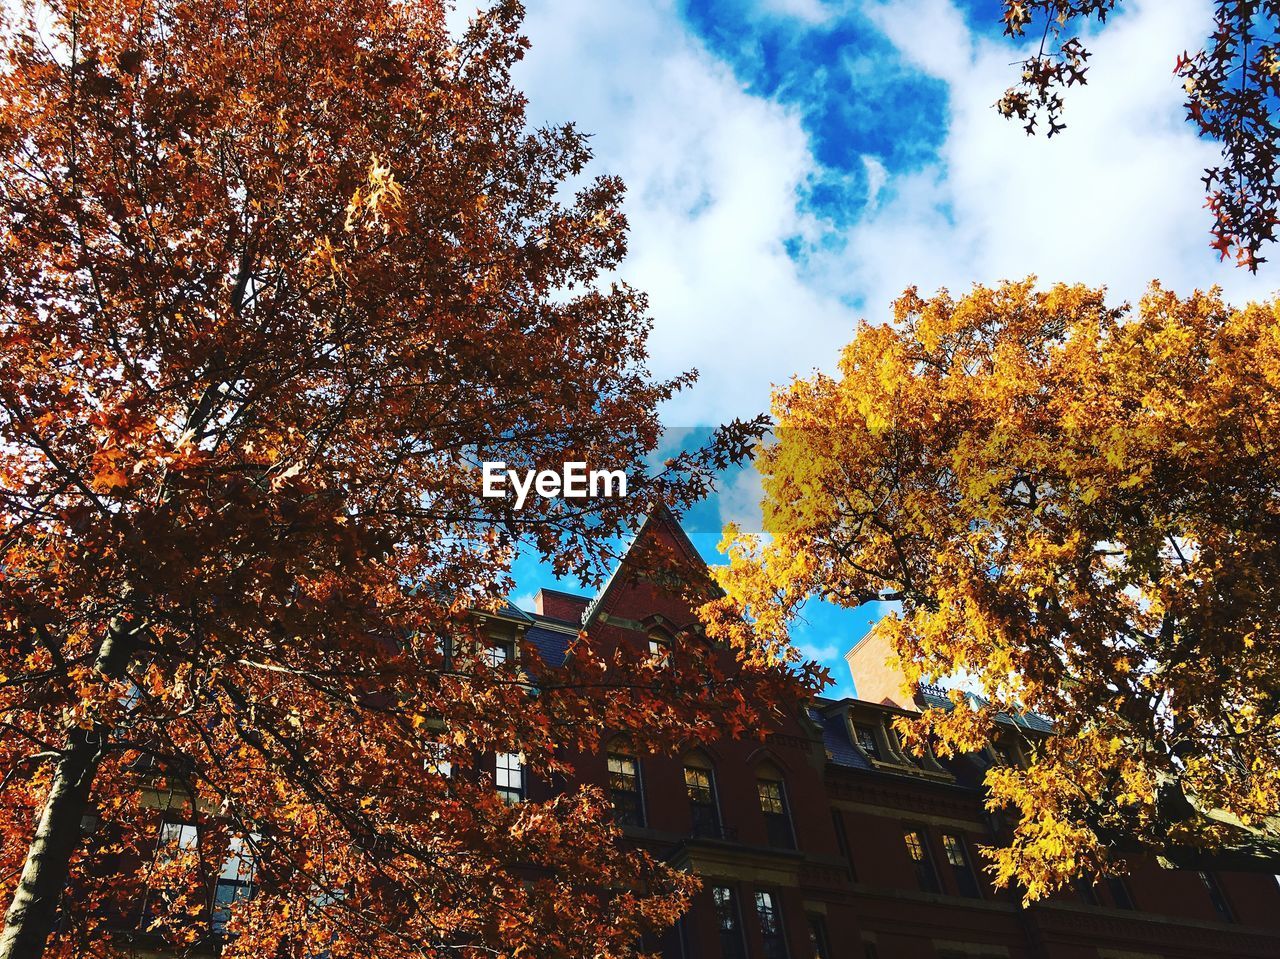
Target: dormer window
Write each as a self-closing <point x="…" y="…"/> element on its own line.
<point x="499" y="653"/>
<point x="867" y="741"/>
<point x="1005" y="754"/>
<point x="900" y="747"/>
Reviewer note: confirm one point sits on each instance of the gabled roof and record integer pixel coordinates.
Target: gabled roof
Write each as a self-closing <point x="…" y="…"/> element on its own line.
<point x="510" y="611"/>
<point x="661" y="516"/>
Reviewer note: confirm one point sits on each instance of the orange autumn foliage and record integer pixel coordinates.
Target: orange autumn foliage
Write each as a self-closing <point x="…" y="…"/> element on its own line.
<point x="274" y="278"/>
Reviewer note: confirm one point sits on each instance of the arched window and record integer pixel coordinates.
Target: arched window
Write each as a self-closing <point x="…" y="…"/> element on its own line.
<point x="625" y="788"/>
<point x="661" y="646"/>
<point x="700" y="786"/>
<point x="772" y="791"/>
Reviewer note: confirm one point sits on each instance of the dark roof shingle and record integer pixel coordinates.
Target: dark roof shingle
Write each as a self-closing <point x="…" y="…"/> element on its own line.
<point x="835" y="736"/>
<point x="552" y="644"/>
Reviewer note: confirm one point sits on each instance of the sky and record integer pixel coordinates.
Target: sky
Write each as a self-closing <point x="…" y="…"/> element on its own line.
<point x="794" y="165"/>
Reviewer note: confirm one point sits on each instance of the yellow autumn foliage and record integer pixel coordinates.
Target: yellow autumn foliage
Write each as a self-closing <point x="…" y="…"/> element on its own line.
<point x="1076" y="506"/>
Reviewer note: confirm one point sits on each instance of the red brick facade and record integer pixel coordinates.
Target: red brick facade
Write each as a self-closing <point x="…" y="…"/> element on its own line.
<point x="835" y="875"/>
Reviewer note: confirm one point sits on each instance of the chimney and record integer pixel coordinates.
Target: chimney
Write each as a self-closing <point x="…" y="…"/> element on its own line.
<point x="877" y="677"/>
<point x="557" y="605"/>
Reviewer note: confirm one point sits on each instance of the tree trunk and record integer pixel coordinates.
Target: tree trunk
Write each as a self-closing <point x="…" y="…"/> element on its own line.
<point x="35" y="902"/>
<point x="34" y="908"/>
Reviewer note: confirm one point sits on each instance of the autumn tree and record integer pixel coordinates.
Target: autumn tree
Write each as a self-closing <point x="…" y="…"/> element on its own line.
<point x="1233" y="97"/>
<point x="274" y="278"/>
<point x="1076" y="508"/>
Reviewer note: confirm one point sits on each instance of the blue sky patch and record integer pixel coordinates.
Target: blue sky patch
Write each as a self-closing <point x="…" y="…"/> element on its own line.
<point x="855" y="95"/>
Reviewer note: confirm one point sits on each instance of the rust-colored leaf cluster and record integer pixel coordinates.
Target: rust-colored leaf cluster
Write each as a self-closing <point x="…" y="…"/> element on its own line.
<point x="275" y="277"/>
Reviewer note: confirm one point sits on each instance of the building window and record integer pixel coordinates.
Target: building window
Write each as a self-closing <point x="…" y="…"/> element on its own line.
<point x="177" y="842"/>
<point x="1087" y="892"/>
<point x="1120" y="893"/>
<point x="901" y="749"/>
<point x="867" y="740"/>
<point x="775" y="942"/>
<point x="700" y="785"/>
<point x="235" y="882"/>
<point x="1216" y="896"/>
<point x="961" y="868"/>
<point x="660" y="646"/>
<point x="777" y="818"/>
<point x="918" y="850"/>
<point x="437" y="759"/>
<point x="510" y="777"/>
<point x="729" y="922"/>
<point x="500" y="653"/>
<point x="819" y="947"/>
<point x="842" y="842"/>
<point x="624" y="789"/>
<point x="177" y="838"/>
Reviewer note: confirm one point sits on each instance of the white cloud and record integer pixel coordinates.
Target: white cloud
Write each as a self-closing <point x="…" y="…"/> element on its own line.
<point x="877" y="177"/>
<point x="809" y="11"/>
<point x="740" y="499"/>
<point x="525" y="601"/>
<point x="716" y="175"/>
<point x="1115" y="199"/>
<point x="713" y="174"/>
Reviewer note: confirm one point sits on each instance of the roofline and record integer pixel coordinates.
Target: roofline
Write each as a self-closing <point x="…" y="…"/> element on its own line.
<point x="865" y="636"/>
<point x="823" y="704"/>
<point x="659" y="511"/>
<point x="564" y="593"/>
<point x="556" y="625"/>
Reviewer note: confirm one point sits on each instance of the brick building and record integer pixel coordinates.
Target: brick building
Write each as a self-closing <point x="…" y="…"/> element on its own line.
<point x="829" y="841"/>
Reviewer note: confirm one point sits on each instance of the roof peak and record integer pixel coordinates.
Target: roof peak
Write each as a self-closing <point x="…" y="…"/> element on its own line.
<point x="659" y="513"/>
